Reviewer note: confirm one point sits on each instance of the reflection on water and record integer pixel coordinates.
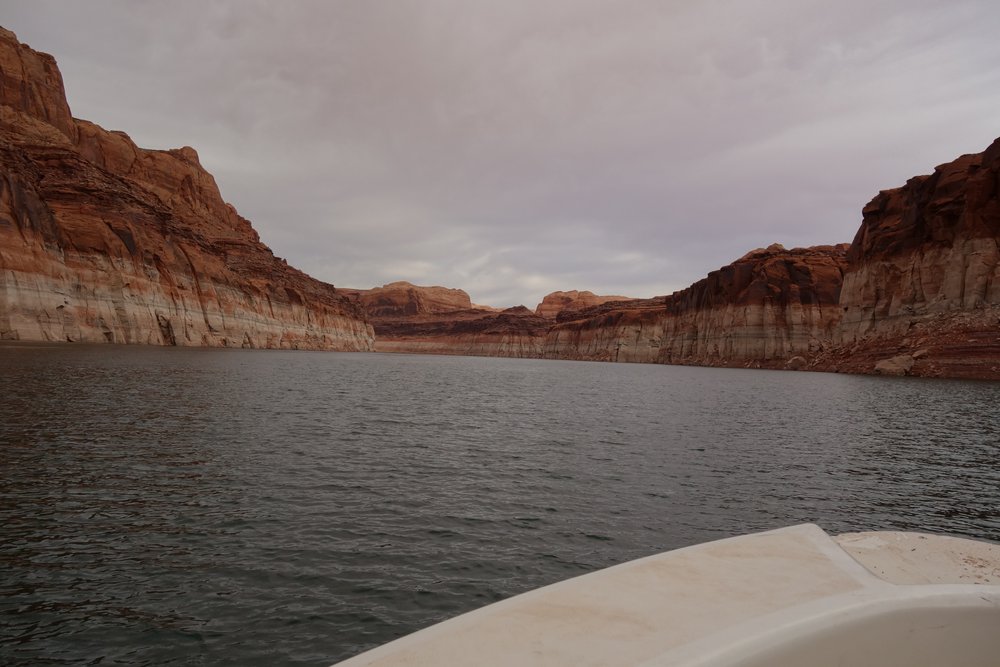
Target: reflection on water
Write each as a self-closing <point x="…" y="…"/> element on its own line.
<point x="164" y="506"/>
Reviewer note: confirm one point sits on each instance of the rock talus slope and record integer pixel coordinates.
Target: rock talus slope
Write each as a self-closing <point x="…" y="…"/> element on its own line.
<point x="102" y="241"/>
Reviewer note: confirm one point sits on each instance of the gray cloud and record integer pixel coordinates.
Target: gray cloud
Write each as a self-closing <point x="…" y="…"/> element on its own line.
<point x="514" y="148"/>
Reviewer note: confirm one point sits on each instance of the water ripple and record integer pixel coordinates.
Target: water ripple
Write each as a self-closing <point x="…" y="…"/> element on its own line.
<point x="228" y="507"/>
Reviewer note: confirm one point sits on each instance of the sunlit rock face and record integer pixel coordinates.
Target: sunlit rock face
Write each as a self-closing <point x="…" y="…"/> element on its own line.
<point x="102" y="241"/>
<point x="923" y="276"/>
<point x="767" y="306"/>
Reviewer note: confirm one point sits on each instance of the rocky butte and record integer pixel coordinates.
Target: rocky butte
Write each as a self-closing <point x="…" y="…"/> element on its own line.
<point x="557" y="303"/>
<point x="102" y="241"/>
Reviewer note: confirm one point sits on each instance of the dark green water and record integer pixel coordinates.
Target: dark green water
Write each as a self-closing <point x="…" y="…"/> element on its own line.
<point x="172" y="506"/>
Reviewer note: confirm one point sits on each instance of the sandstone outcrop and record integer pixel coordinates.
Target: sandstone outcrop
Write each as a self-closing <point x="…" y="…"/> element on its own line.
<point x="405" y="300"/>
<point x="901" y="364"/>
<point x="916" y="293"/>
<point x="103" y="241"/>
<point x="927" y="248"/>
<point x="515" y="332"/>
<point x="767" y="306"/>
<point x="957" y="345"/>
<point x="924" y="276"/>
<point x="764" y="308"/>
<point x="559" y="303"/>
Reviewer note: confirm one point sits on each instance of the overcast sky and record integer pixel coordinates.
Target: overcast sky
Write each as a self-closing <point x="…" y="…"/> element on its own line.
<point x="517" y="147"/>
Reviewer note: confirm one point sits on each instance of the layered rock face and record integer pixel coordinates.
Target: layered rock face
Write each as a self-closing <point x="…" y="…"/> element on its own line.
<point x="923" y="281"/>
<point x="102" y="241"/>
<point x="765" y="308"/>
<point x="927" y="248"/>
<point x="515" y="332"/>
<point x="770" y="305"/>
<point x="438" y="320"/>
<point x="916" y="293"/>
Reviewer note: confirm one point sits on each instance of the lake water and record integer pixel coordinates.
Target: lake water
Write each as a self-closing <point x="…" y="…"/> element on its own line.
<point x="187" y="506"/>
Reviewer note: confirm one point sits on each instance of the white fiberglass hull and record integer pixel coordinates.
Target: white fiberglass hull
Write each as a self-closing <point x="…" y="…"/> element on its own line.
<point x="794" y="596"/>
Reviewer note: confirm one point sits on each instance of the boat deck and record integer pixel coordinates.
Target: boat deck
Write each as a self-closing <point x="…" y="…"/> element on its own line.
<point x="793" y="596"/>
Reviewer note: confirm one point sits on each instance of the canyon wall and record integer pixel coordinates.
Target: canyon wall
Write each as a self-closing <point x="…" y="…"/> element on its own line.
<point x="916" y="293"/>
<point x="509" y="333"/>
<point x="437" y="320"/>
<point x="765" y="308"/>
<point x="102" y="241"/>
<point x="921" y="295"/>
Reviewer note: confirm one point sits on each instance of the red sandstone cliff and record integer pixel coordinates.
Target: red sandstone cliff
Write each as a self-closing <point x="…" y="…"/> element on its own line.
<point x="766" y="308"/>
<point x="921" y="294"/>
<point x="771" y="304"/>
<point x="102" y="241"/>
<point x="916" y="293"/>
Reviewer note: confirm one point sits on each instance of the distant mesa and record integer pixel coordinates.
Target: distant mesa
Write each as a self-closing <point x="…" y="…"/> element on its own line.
<point x="556" y="302"/>
<point x="403" y="299"/>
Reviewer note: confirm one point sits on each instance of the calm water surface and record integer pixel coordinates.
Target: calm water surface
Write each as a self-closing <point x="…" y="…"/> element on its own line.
<point x="172" y="506"/>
